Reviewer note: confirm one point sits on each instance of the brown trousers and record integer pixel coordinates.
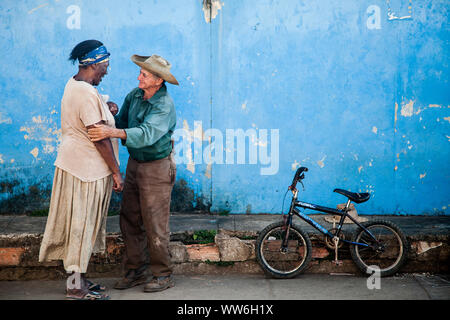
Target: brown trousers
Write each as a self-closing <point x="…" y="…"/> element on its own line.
<point x="144" y="217"/>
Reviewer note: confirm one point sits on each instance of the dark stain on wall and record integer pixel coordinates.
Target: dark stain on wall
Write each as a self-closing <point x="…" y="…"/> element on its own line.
<point x="184" y="199"/>
<point x="35" y="199"/>
<point x="24" y="200"/>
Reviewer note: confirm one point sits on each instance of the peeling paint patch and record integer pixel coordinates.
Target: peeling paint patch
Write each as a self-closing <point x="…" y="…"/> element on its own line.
<point x="35" y="152"/>
<point x="407" y="109"/>
<point x="1" y="159"/>
<point x="5" y="119"/>
<point x="422" y="175"/>
<point x="190" y="165"/>
<point x="410" y="146"/>
<point x="374" y="129"/>
<point x="360" y="168"/>
<point x="211" y="9"/>
<point x="197" y="133"/>
<point x="396" y="110"/>
<point x="295" y="165"/>
<point x="38" y="119"/>
<point x="44" y="130"/>
<point x="447" y="119"/>
<point x="38" y="7"/>
<point x="419" y="110"/>
<point x="208" y="170"/>
<point x="321" y="162"/>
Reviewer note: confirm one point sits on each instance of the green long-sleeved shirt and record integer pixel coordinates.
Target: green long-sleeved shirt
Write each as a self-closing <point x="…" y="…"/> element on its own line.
<point x="149" y="124"/>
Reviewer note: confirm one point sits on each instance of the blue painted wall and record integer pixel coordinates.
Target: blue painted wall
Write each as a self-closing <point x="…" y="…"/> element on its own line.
<point x="355" y="90"/>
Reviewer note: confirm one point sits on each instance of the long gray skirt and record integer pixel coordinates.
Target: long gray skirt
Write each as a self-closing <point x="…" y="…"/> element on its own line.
<point x="76" y="224"/>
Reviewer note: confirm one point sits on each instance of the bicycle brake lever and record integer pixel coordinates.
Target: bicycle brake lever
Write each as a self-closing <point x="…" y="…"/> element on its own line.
<point x="302" y="185"/>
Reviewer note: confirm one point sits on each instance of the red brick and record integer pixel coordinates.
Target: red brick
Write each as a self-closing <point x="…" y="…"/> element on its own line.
<point x="113" y="248"/>
<point x="319" y="253"/>
<point x="10" y="256"/>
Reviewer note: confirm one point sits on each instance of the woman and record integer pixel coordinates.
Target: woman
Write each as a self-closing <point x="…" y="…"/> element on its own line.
<point x="86" y="173"/>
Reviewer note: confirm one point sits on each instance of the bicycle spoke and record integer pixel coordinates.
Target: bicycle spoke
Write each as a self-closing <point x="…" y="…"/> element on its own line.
<point x="279" y="260"/>
<point x="386" y="251"/>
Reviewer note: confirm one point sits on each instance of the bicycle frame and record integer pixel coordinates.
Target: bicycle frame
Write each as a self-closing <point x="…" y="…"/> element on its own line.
<point x="343" y="213"/>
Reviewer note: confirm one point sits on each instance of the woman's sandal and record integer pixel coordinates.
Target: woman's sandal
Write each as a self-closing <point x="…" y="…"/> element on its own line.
<point x="90" y="295"/>
<point x="91" y="286"/>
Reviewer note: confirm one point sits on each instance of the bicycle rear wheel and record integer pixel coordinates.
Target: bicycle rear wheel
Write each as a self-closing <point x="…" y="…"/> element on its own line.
<point x="279" y="263"/>
<point x="388" y="253"/>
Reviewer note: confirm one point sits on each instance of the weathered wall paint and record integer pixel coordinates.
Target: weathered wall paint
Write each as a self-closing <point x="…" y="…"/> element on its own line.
<point x="355" y="90"/>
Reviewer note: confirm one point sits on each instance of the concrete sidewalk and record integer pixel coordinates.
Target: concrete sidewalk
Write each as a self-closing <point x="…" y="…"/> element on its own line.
<point x="254" y="287"/>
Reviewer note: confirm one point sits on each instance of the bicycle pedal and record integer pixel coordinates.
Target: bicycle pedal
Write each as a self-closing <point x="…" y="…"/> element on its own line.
<point x="338" y="262"/>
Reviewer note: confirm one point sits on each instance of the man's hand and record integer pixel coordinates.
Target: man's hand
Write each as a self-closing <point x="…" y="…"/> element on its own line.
<point x="113" y="108"/>
<point x="118" y="182"/>
<point x="99" y="132"/>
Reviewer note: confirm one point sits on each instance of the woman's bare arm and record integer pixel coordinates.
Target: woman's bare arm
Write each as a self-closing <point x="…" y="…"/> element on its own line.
<point x="105" y="149"/>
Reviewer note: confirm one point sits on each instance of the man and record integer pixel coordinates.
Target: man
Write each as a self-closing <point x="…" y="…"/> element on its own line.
<point x="145" y="124"/>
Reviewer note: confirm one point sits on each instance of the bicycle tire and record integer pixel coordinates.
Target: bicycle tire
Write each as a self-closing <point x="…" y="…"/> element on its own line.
<point x="389" y="260"/>
<point x="278" y="264"/>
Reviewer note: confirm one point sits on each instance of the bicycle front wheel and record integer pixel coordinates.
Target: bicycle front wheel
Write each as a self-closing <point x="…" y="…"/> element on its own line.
<point x="387" y="253"/>
<point x="278" y="262"/>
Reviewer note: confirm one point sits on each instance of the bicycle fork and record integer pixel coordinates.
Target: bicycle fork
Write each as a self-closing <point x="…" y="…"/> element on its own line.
<point x="287" y="219"/>
<point x="287" y="227"/>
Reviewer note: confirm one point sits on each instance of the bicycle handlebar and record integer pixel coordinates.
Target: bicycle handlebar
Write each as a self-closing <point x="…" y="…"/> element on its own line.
<point x="299" y="175"/>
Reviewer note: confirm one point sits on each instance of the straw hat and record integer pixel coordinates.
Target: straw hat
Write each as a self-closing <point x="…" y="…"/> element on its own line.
<point x="156" y="65"/>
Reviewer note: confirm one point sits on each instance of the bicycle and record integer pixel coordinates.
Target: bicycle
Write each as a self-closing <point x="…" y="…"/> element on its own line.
<point x="283" y="249"/>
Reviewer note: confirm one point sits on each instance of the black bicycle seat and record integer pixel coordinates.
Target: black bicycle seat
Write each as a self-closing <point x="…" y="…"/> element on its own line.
<point x="356" y="197"/>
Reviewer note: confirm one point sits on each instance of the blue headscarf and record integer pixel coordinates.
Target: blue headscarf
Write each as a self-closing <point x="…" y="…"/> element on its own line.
<point x="97" y="55"/>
